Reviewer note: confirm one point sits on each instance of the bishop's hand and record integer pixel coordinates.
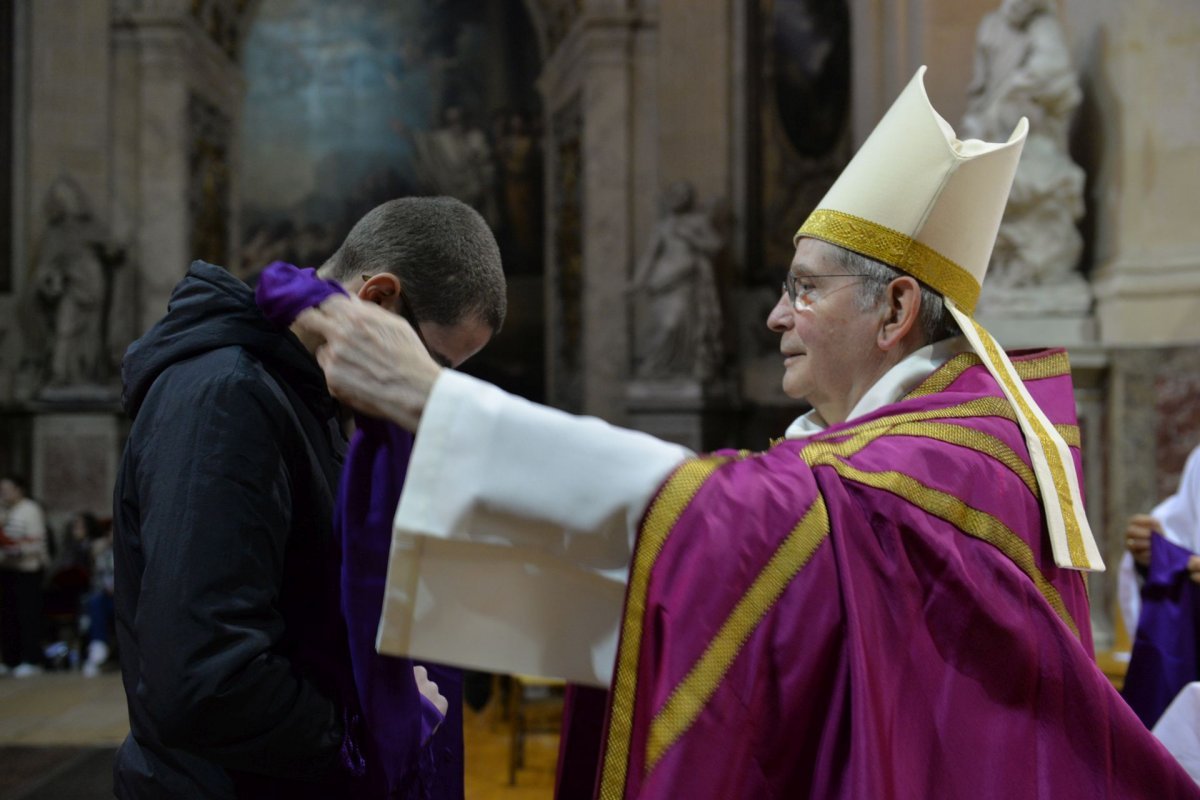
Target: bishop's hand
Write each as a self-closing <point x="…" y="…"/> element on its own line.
<point x="373" y="360"/>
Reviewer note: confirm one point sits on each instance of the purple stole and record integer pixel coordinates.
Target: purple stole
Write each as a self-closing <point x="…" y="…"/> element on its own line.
<point x="389" y="722"/>
<point x="1165" y="657"/>
<point x="871" y="613"/>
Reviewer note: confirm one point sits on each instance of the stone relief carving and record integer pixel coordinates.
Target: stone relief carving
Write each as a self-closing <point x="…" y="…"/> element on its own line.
<point x="567" y="226"/>
<point x="558" y="18"/>
<point x="223" y="21"/>
<point x="674" y="287"/>
<point x="1023" y="69"/>
<point x="210" y="180"/>
<point x="65" y="308"/>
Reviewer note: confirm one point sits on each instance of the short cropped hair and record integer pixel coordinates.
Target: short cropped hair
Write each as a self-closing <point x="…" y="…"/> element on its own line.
<point x="442" y="251"/>
<point x="934" y="320"/>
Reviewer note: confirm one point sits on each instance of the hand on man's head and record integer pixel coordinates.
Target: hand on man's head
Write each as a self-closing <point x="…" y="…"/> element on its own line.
<point x="373" y="359"/>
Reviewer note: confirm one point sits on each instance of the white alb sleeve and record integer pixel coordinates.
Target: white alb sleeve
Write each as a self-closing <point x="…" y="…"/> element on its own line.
<point x="513" y="534"/>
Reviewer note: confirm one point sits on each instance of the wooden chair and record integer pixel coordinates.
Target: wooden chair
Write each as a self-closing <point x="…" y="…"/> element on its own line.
<point x="535" y="706"/>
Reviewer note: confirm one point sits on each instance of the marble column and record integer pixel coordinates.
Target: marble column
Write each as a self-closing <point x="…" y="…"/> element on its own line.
<point x="599" y="113"/>
<point x="1148" y="248"/>
<point x="165" y="58"/>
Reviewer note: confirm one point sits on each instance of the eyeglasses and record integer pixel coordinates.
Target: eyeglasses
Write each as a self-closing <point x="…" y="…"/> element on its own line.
<point x="407" y="313"/>
<point x="803" y="293"/>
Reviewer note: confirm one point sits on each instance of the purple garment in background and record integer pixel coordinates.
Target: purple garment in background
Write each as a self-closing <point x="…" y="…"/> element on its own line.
<point x="404" y="756"/>
<point x="1164" y="658"/>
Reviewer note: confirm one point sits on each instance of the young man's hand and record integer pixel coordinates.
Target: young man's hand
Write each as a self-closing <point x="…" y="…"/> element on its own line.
<point x="429" y="689"/>
<point x="1137" y="537"/>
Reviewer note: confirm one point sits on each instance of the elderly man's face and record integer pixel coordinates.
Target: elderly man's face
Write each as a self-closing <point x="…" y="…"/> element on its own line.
<point x="828" y="344"/>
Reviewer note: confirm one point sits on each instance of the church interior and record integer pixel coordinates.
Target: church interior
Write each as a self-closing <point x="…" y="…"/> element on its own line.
<point x="604" y="142"/>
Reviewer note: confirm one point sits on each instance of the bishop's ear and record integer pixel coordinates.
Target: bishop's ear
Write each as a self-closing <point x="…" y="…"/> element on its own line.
<point x="901" y="309"/>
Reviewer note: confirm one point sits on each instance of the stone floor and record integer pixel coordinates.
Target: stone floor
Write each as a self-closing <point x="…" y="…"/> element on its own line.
<point x="58" y="733"/>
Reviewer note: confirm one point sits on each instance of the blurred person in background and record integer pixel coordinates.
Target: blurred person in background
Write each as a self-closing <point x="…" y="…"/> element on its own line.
<point x="68" y="580"/>
<point x="99" y="602"/>
<point x="23" y="560"/>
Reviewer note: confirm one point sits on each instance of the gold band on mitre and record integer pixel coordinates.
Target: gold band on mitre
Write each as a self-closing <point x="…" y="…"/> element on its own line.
<point x="894" y="249"/>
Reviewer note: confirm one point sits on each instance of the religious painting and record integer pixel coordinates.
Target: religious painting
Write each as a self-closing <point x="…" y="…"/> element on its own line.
<point x="804" y="137"/>
<point x="350" y="104"/>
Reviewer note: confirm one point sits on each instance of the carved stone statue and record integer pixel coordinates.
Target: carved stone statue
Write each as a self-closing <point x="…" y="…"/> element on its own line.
<point x="676" y="286"/>
<point x="1022" y="68"/>
<point x="65" y="311"/>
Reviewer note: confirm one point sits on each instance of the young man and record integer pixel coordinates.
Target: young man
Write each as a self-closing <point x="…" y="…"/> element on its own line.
<point x="888" y="603"/>
<point x="229" y="590"/>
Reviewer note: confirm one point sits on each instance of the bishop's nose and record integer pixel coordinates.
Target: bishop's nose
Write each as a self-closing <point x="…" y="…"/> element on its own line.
<point x="780" y="318"/>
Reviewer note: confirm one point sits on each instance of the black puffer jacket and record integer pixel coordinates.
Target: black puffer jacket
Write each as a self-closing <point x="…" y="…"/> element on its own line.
<point x="226" y="568"/>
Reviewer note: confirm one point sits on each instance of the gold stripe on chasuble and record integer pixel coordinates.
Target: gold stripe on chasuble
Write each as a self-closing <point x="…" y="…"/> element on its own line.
<point x="670" y="502"/>
<point x="979" y="407"/>
<point x="693" y="693"/>
<point x="1053" y="460"/>
<point x="971" y="521"/>
<point x="947" y="433"/>
<point x="1054" y="365"/>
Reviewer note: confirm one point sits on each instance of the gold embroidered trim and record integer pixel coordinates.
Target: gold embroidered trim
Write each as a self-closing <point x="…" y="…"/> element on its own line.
<point x="945" y="375"/>
<point x="670" y="502"/>
<point x="971" y="521"/>
<point x="896" y="249"/>
<point x="1054" y="461"/>
<point x="694" y="692"/>
<point x="976" y="407"/>
<point x="1070" y="434"/>
<point x="1054" y="365"/>
<point x="947" y="433"/>
<point x="979" y="407"/>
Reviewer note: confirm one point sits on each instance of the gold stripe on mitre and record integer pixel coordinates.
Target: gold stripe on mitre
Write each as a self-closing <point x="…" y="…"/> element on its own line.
<point x="895" y="249"/>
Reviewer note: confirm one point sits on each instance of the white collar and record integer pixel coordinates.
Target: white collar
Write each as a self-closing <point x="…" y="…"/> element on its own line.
<point x="893" y="385"/>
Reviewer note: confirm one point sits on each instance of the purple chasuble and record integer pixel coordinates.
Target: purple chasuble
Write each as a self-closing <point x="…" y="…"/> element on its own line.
<point x="873" y="612"/>
<point x="1164" y="658"/>
<point x="404" y="756"/>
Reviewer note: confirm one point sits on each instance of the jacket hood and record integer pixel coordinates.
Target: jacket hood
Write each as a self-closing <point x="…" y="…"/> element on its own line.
<point x="210" y="309"/>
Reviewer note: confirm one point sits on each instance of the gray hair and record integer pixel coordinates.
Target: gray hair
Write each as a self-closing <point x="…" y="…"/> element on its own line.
<point x="442" y="251"/>
<point x="934" y="320"/>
